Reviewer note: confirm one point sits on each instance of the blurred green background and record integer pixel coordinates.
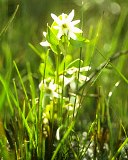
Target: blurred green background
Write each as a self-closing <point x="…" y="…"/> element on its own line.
<point x="31" y="20"/>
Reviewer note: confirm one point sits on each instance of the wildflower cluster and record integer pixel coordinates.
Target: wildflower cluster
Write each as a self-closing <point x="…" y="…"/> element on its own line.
<point x="63" y="30"/>
<point x="61" y="81"/>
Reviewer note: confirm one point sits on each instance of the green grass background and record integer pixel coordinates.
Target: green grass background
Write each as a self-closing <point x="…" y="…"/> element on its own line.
<point x="105" y="24"/>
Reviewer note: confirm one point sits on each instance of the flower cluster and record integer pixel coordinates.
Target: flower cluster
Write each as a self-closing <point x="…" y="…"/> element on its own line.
<point x="61" y="75"/>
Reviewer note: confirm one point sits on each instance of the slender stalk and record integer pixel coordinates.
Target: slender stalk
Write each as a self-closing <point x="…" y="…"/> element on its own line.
<point x="102" y="66"/>
<point x="63" y="140"/>
<point x="77" y="83"/>
<point x="120" y="148"/>
<point x="80" y="56"/>
<point x="9" y="22"/>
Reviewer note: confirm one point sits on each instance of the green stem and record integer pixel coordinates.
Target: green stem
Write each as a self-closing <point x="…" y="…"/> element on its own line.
<point x="63" y="140"/>
<point x="120" y="148"/>
<point x="57" y="81"/>
<point x="77" y="84"/>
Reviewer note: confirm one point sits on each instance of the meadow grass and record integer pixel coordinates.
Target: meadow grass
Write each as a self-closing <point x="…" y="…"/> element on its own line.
<point x="70" y="111"/>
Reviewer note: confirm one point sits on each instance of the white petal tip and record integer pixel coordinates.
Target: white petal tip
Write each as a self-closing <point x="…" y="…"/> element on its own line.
<point x="44" y="44"/>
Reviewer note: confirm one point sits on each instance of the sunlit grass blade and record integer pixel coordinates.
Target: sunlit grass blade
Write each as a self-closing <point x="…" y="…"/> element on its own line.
<point x="5" y="93"/>
<point x="119" y="73"/>
<point x="21" y="113"/>
<point x="6" y="76"/>
<point x="91" y="46"/>
<point x="35" y="50"/>
<point x="119" y="149"/>
<point x="9" y="22"/>
<point x="123" y="60"/>
<point x="63" y="140"/>
<point x="21" y="81"/>
<point x="115" y="68"/>
<point x="32" y="90"/>
<point x="117" y="32"/>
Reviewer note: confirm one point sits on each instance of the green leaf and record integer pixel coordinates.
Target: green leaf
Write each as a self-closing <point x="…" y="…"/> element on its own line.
<point x="79" y="43"/>
<point x="75" y="63"/>
<point x="55" y="49"/>
<point x="51" y="37"/>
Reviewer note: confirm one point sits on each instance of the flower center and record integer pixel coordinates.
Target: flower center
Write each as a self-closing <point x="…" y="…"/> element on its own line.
<point x="64" y="26"/>
<point x="65" y="29"/>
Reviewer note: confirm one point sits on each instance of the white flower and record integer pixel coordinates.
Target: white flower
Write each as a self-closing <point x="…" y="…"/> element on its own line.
<point x="45" y="43"/>
<point x="52" y="89"/>
<point x="66" y="26"/>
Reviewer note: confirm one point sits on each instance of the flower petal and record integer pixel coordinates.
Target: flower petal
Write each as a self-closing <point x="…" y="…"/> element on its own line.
<point x="60" y="33"/>
<point x="56" y="27"/>
<point x="75" y="22"/>
<point x="86" y="68"/>
<point x="77" y="30"/>
<point x="70" y="16"/>
<point x="44" y="33"/>
<point x="72" y="35"/>
<point x="56" y="19"/>
<point x="44" y="44"/>
<point x="63" y="17"/>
